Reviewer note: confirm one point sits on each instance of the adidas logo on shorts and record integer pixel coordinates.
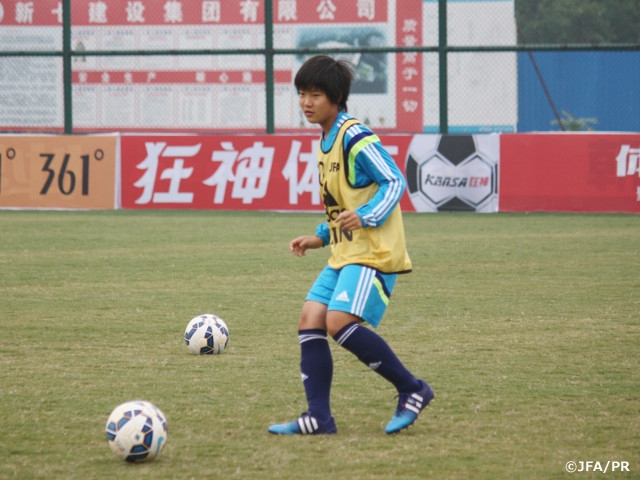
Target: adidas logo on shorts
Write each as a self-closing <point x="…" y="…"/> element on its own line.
<point x="343" y="297"/>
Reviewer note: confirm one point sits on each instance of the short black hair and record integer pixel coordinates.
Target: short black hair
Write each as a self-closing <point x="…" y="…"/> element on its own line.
<point x="332" y="76"/>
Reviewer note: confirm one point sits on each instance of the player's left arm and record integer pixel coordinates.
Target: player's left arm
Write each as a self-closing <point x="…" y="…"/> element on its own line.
<point x="374" y="164"/>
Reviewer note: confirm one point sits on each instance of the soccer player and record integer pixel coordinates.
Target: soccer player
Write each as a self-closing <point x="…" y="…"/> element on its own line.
<point x="361" y="187"/>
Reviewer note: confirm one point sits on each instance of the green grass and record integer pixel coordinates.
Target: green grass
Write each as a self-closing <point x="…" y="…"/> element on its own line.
<point x="527" y="326"/>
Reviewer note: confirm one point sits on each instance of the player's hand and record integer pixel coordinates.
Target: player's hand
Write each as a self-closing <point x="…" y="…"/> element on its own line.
<point x="349" y="221"/>
<point x="300" y="245"/>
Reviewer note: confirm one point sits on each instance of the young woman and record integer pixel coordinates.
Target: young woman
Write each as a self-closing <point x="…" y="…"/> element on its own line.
<point x="361" y="187"/>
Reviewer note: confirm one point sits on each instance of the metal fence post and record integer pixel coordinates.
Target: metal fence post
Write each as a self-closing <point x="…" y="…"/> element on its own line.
<point x="66" y="66"/>
<point x="268" y="58"/>
<point x="442" y="63"/>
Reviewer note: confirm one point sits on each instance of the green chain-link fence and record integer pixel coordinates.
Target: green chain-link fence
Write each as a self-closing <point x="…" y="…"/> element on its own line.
<point x="227" y="66"/>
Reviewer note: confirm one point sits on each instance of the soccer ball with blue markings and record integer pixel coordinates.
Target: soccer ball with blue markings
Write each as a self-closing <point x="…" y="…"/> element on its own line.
<point x="206" y="334"/>
<point x="136" y="431"/>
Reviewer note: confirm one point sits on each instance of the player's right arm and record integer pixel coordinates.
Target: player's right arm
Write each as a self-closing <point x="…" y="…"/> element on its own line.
<point x="322" y="231"/>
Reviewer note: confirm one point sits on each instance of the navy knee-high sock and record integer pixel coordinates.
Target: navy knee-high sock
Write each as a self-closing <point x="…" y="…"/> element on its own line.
<point x="373" y="351"/>
<point x="316" y="367"/>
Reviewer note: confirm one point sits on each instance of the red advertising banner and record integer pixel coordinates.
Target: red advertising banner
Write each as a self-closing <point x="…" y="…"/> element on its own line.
<point x="534" y="172"/>
<point x="203" y="12"/>
<point x="570" y="173"/>
<point x="163" y="12"/>
<point x="409" y="78"/>
<point x="228" y="172"/>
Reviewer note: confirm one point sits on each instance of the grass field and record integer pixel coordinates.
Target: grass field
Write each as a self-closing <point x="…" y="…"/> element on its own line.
<point x="527" y="326"/>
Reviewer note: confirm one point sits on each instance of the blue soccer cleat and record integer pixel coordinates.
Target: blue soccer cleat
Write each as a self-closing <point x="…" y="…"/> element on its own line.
<point x="305" y="425"/>
<point x="409" y="406"/>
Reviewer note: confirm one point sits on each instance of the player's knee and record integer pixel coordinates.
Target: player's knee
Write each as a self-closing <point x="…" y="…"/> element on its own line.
<point x="313" y="315"/>
<point x="337" y="320"/>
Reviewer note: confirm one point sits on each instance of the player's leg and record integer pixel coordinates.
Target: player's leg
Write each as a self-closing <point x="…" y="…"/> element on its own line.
<point x="372" y="350"/>
<point x="362" y="293"/>
<point x="316" y="362"/>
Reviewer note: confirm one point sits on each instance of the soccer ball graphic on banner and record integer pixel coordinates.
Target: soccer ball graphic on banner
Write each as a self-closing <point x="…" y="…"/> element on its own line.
<point x="206" y="334"/>
<point x="136" y="431"/>
<point x="453" y="173"/>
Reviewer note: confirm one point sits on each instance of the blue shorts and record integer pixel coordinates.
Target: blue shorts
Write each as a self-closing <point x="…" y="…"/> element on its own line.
<point x="356" y="289"/>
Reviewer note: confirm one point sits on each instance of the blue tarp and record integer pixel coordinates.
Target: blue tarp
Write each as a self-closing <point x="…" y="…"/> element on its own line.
<point x="602" y="85"/>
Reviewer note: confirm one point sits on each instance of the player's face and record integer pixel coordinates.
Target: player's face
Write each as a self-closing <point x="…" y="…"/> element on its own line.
<point x="317" y="108"/>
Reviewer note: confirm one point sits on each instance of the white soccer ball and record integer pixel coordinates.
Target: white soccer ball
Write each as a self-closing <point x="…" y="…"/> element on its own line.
<point x="136" y="431"/>
<point x="206" y="334"/>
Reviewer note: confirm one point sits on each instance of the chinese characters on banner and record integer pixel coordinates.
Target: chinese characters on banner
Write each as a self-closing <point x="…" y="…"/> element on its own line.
<point x="410" y="78"/>
<point x="196" y="92"/>
<point x="229" y="172"/>
<point x="628" y="165"/>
